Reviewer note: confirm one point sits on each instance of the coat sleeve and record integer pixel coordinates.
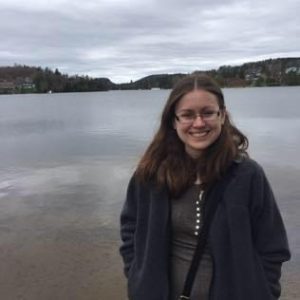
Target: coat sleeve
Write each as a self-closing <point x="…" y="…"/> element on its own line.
<point x="269" y="234"/>
<point x="128" y="226"/>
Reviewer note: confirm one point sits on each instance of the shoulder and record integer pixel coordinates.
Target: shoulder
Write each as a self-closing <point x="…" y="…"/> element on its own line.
<point x="137" y="186"/>
<point x="248" y="185"/>
<point x="248" y="174"/>
<point x="248" y="167"/>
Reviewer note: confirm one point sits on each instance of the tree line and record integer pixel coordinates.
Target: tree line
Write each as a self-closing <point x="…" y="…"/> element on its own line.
<point x="26" y="79"/>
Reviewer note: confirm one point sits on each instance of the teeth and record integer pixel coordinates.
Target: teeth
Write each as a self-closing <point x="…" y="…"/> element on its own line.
<point x="199" y="134"/>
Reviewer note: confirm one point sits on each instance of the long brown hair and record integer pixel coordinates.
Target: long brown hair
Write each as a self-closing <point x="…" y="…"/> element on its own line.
<point x="166" y="162"/>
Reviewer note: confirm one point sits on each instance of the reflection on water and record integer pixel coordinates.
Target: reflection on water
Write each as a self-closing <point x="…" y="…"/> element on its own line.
<point x="17" y="128"/>
<point x="65" y="163"/>
<point x="98" y="182"/>
<point x="273" y="140"/>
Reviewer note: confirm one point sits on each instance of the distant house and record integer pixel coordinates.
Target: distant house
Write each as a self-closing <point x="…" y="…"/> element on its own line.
<point x="28" y="85"/>
<point x="7" y="87"/>
<point x="292" y="69"/>
<point x="25" y="83"/>
<point x="252" y="76"/>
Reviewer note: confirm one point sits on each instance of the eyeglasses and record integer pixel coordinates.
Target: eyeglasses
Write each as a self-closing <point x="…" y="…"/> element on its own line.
<point x="190" y="116"/>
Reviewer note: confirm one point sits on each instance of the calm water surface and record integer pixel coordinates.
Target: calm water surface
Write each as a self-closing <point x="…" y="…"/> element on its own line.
<point x="66" y="160"/>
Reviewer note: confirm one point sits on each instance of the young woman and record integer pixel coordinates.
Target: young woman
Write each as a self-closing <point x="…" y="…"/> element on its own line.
<point x="196" y="158"/>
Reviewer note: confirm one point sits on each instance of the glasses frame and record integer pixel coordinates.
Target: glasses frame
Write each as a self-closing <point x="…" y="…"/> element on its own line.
<point x="201" y="115"/>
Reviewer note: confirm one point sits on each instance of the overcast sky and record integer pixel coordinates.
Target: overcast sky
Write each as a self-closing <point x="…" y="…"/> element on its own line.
<point x="128" y="39"/>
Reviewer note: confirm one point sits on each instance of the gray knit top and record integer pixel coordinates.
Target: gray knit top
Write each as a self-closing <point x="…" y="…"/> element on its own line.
<point x="186" y="223"/>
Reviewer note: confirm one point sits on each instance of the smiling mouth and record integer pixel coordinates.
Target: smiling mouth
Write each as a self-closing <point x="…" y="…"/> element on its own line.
<point x="199" y="134"/>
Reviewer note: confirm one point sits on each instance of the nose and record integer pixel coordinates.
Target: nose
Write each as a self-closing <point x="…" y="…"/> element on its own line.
<point x="198" y="121"/>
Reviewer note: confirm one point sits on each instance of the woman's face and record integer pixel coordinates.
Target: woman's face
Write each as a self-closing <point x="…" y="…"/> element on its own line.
<point x="198" y="121"/>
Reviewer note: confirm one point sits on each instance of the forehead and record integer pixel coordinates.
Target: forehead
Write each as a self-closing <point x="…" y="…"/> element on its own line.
<point x="197" y="99"/>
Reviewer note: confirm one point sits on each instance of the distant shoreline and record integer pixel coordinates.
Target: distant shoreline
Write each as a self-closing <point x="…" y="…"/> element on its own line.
<point x="21" y="79"/>
<point x="154" y="90"/>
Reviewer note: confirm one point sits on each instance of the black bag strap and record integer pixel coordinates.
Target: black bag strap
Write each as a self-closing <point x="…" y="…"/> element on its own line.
<point x="215" y="196"/>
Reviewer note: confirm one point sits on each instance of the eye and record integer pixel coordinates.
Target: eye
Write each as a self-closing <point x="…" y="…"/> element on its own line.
<point x="208" y="113"/>
<point x="187" y="115"/>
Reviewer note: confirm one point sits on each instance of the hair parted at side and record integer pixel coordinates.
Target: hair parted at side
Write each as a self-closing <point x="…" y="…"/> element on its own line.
<point x="165" y="161"/>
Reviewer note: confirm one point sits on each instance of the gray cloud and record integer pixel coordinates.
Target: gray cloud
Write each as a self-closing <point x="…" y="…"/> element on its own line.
<point x="125" y="40"/>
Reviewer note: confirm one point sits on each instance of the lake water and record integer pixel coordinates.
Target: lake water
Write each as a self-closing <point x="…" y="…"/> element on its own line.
<point x="65" y="163"/>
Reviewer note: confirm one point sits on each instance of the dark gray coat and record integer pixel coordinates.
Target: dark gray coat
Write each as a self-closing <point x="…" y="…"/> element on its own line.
<point x="247" y="236"/>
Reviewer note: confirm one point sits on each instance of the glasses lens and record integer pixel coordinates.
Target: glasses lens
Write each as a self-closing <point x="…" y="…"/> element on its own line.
<point x="187" y="118"/>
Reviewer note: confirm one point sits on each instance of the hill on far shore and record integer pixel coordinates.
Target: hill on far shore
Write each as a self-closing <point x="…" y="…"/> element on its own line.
<point x="27" y="79"/>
